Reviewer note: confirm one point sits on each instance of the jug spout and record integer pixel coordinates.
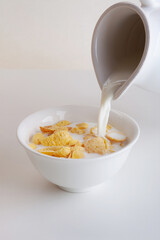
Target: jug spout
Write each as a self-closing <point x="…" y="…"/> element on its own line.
<point x="150" y="3"/>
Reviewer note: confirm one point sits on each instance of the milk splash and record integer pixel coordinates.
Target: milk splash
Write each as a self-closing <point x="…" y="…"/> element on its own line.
<point x="108" y="90"/>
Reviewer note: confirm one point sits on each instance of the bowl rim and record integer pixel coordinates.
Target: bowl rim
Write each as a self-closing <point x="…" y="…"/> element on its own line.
<point x="101" y="157"/>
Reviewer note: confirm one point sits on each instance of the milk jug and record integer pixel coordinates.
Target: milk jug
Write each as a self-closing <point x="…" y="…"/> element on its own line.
<point x="126" y="39"/>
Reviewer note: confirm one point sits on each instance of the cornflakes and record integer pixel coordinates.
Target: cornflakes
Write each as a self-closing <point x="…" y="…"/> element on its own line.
<point x="95" y="145"/>
<point x="77" y="154"/>
<point x="77" y="130"/>
<point x="58" y="138"/>
<point x="108" y="127"/>
<point x="82" y="125"/>
<point x="52" y="128"/>
<point x="62" y="137"/>
<point x="116" y="136"/>
<point x="37" y="138"/>
<point x="75" y="143"/>
<point x="48" y="141"/>
<point x="56" y="151"/>
<point x="63" y="123"/>
<point x="88" y="136"/>
<point x="93" y="130"/>
<point x="79" y="148"/>
<point x="59" y="142"/>
<point x="109" y="147"/>
<point x="32" y="145"/>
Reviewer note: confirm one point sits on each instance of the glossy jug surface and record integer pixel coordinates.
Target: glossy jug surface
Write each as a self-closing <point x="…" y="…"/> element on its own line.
<point x="128" y="37"/>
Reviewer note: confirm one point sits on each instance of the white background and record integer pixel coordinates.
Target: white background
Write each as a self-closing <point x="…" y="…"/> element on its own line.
<point x="52" y="34"/>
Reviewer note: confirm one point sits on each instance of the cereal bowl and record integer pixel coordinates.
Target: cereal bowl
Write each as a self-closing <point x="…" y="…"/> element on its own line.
<point x="77" y="175"/>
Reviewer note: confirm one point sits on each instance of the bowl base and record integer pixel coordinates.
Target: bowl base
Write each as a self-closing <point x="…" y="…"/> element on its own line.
<point x="80" y="190"/>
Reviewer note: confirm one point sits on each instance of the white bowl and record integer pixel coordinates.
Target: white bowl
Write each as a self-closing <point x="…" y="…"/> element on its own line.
<point x="77" y="175"/>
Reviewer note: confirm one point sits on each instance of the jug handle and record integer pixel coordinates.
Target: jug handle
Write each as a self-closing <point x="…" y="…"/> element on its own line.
<point x="150" y="3"/>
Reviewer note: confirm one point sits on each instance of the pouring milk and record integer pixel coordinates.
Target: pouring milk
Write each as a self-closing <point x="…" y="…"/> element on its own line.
<point x="112" y="84"/>
<point x="108" y="91"/>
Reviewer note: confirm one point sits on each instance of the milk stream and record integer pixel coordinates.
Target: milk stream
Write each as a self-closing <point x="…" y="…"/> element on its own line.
<point x="109" y="88"/>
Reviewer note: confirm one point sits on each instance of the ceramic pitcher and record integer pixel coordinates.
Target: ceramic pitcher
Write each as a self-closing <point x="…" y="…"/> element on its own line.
<point x="129" y="33"/>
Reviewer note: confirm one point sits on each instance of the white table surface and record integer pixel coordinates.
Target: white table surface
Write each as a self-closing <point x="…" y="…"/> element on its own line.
<point x="127" y="208"/>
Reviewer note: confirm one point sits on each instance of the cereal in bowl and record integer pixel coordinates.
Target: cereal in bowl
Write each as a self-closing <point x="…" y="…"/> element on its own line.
<point x="76" y="140"/>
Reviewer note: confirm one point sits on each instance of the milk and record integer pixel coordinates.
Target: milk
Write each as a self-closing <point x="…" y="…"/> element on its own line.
<point x="115" y="145"/>
<point x="109" y="88"/>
